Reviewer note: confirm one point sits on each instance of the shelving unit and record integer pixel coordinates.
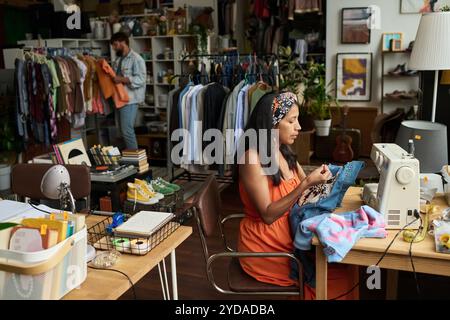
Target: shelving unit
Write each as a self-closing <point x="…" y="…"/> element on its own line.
<point x="390" y="83"/>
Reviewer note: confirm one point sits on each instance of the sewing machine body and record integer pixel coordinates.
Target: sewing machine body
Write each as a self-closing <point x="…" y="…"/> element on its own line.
<point x="398" y="192"/>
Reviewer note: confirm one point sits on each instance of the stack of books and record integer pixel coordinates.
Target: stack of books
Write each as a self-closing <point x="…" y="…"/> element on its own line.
<point x="137" y="158"/>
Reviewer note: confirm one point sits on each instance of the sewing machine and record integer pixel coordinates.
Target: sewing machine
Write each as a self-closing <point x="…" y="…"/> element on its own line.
<point x="397" y="195"/>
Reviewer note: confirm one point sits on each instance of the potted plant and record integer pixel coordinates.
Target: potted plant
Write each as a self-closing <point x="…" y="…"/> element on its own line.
<point x="318" y="98"/>
<point x="292" y="79"/>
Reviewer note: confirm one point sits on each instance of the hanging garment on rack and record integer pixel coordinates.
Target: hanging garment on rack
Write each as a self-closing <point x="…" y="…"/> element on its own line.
<point x="230" y="123"/>
<point x="22" y="106"/>
<point x="242" y="110"/>
<point x="49" y="88"/>
<point x="256" y="92"/>
<point x="110" y="89"/>
<point x="174" y="96"/>
<point x="305" y="6"/>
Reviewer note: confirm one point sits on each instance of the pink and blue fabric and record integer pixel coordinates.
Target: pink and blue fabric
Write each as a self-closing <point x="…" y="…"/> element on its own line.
<point x="339" y="232"/>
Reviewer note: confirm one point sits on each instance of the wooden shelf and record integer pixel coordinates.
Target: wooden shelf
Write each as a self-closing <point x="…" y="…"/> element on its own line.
<point x="388" y="52"/>
<point x="401" y="76"/>
<point x="400" y="100"/>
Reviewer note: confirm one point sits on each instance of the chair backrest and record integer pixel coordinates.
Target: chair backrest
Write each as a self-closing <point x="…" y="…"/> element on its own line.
<point x="26" y="180"/>
<point x="208" y="205"/>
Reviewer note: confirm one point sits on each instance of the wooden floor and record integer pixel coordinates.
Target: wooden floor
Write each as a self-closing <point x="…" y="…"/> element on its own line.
<point x="193" y="283"/>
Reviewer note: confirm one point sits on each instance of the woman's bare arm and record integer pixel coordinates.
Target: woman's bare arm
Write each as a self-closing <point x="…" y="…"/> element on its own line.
<point x="256" y="185"/>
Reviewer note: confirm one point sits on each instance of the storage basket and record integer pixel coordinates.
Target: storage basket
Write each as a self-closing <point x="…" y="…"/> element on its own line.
<point x="44" y="275"/>
<point x="103" y="239"/>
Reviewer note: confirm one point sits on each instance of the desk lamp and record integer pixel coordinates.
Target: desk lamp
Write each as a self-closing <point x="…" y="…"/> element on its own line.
<point x="55" y="184"/>
<point x="431" y="50"/>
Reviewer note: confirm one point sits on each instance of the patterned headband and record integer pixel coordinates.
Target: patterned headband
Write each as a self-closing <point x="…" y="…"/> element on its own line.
<point x="281" y="106"/>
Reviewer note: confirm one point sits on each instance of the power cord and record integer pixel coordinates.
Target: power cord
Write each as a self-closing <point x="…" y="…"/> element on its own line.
<point x="382" y="257"/>
<point x="123" y="273"/>
<point x="35" y="207"/>
<point x="411" y="257"/>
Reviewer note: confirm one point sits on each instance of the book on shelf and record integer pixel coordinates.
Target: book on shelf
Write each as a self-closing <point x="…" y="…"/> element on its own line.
<point x="144" y="168"/>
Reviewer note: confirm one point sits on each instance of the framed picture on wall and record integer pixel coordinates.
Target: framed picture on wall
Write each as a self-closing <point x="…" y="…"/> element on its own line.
<point x="355" y="25"/>
<point x="353" y="76"/>
<point x="421" y="6"/>
<point x="386" y="41"/>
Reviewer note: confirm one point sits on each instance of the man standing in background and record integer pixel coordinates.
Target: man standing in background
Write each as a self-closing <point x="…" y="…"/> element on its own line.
<point x="131" y="71"/>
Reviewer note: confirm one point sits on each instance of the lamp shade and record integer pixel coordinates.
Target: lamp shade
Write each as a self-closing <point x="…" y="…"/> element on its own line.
<point x="431" y="50"/>
<point x="430" y="143"/>
<point x="52" y="181"/>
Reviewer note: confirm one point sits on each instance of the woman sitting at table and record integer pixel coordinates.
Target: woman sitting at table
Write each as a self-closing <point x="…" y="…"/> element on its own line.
<point x="269" y="196"/>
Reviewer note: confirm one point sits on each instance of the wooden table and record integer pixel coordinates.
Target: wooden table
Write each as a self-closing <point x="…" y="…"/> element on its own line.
<point x="107" y="285"/>
<point x="367" y="252"/>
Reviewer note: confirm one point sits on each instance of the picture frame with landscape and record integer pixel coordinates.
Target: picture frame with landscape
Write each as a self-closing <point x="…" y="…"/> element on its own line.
<point x="355" y="25"/>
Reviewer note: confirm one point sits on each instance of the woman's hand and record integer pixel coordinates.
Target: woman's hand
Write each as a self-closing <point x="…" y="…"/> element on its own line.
<point x="319" y="176"/>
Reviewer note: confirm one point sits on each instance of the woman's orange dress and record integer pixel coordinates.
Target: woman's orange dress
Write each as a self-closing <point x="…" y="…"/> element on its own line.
<point x="257" y="236"/>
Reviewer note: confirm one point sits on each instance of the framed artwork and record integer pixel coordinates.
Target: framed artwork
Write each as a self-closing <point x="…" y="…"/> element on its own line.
<point x="422" y="6"/>
<point x="355" y="25"/>
<point x="396" y="45"/>
<point x="353" y="76"/>
<point x="387" y="40"/>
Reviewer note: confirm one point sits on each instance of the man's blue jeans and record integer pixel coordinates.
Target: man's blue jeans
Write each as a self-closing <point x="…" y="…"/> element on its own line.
<point x="128" y="115"/>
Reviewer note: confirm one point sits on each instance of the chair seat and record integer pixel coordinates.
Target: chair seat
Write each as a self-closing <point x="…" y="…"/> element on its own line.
<point x="239" y="281"/>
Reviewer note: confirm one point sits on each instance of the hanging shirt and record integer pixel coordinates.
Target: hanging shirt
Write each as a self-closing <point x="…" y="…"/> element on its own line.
<point x="241" y="110"/>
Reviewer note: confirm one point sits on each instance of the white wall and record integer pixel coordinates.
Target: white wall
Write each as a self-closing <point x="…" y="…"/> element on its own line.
<point x="391" y="21"/>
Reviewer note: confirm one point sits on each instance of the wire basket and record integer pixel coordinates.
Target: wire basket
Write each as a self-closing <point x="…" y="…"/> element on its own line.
<point x="101" y="237"/>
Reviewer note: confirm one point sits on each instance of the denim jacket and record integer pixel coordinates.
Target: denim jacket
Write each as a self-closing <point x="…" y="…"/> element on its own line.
<point x="134" y="68"/>
<point x="344" y="178"/>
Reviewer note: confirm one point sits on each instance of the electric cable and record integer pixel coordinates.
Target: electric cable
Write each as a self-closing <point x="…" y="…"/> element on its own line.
<point x="379" y="261"/>
<point x="35" y="207"/>
<point x="411" y="258"/>
<point x="123" y="273"/>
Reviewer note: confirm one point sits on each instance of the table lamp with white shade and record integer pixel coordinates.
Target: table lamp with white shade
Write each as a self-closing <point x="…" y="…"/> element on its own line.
<point x="431" y="50"/>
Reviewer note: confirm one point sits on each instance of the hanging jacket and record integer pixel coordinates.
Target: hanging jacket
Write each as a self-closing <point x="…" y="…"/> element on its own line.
<point x="110" y="89"/>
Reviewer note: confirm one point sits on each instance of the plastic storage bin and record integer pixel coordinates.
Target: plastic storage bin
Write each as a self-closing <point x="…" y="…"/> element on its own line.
<point x="44" y="275"/>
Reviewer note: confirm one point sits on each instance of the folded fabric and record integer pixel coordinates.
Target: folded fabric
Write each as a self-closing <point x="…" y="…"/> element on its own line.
<point x="338" y="233"/>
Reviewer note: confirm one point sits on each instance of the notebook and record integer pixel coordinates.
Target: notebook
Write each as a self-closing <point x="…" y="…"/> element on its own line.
<point x="144" y="223"/>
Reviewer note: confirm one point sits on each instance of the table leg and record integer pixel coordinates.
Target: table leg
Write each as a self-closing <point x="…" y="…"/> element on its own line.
<point x="163" y="289"/>
<point x="321" y="274"/>
<point x="165" y="277"/>
<point x="174" y="275"/>
<point x="391" y="284"/>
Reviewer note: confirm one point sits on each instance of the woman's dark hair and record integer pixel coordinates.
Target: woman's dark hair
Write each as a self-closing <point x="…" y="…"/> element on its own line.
<point x="120" y="37"/>
<point x="260" y="119"/>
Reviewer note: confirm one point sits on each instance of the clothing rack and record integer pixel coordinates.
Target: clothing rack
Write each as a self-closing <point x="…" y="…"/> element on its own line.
<point x="235" y="58"/>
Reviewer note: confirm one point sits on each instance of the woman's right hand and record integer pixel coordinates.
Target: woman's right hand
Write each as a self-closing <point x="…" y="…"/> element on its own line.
<point x="319" y="176"/>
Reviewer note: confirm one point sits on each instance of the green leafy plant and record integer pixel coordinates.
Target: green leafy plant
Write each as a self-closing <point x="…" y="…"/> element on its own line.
<point x="317" y="96"/>
<point x="202" y="36"/>
<point x="445" y="8"/>
<point x="291" y="73"/>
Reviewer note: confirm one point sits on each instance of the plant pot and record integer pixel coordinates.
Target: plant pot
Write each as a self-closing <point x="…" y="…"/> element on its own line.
<point x="322" y="127"/>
